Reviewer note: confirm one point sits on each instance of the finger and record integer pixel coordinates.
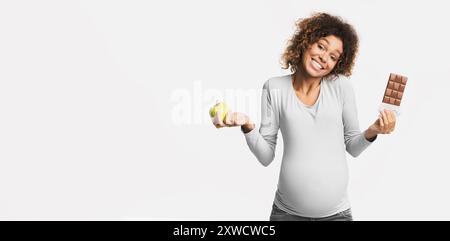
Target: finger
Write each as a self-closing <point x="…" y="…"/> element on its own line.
<point x="394" y="121"/>
<point x="218" y="124"/>
<point x="223" y="122"/>
<point x="236" y="119"/>
<point x="385" y="118"/>
<point x="219" y="120"/>
<point x="385" y="121"/>
<point x="240" y="119"/>
<point x="390" y="120"/>
<point x="393" y="115"/>
<point x="228" y="119"/>
<point x="380" y="124"/>
<point x="381" y="121"/>
<point x="388" y="114"/>
<point x="232" y="120"/>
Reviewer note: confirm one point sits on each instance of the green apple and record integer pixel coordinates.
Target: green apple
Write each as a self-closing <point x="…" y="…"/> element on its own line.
<point x="221" y="107"/>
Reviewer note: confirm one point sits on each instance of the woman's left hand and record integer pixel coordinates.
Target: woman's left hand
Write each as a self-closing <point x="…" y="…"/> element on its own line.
<point x="385" y="124"/>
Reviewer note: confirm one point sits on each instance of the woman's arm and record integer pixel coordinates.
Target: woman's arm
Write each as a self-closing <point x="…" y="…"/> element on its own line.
<point x="355" y="140"/>
<point x="262" y="143"/>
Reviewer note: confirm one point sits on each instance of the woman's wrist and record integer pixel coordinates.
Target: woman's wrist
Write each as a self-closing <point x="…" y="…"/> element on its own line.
<point x="247" y="127"/>
<point x="370" y="134"/>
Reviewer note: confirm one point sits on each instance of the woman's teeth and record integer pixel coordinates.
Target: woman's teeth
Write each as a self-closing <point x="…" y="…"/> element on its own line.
<point x="317" y="65"/>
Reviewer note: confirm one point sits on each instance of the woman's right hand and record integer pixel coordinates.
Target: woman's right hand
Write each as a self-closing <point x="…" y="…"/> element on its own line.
<point x="233" y="119"/>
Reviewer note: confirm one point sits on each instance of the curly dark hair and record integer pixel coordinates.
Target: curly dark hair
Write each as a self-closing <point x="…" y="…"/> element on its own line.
<point x="310" y="30"/>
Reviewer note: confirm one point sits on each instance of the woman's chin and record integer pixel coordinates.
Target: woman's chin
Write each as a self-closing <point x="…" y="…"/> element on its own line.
<point x="314" y="73"/>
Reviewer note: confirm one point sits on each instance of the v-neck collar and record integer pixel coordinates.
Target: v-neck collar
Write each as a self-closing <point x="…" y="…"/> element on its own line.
<point x="299" y="100"/>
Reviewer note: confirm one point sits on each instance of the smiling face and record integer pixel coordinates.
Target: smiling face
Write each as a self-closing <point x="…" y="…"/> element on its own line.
<point x="321" y="57"/>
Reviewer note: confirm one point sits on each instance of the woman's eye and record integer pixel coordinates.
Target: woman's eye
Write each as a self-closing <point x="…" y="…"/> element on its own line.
<point x="320" y="46"/>
<point x="333" y="58"/>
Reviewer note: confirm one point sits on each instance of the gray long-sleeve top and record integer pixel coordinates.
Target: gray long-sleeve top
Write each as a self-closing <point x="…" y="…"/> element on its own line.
<point x="314" y="173"/>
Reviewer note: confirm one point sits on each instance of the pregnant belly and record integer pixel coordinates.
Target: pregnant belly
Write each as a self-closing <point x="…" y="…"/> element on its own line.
<point x="313" y="186"/>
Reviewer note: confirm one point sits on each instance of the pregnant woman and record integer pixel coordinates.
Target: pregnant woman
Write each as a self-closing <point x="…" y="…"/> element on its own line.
<point x="315" y="110"/>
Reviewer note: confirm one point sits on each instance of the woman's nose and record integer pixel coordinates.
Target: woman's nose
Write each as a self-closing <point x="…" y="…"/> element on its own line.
<point x="322" y="58"/>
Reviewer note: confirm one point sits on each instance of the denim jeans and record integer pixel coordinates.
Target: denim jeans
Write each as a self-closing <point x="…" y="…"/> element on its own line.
<point x="280" y="215"/>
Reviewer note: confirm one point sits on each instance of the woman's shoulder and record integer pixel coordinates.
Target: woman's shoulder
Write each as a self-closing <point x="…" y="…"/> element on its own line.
<point x="341" y="83"/>
<point x="278" y="82"/>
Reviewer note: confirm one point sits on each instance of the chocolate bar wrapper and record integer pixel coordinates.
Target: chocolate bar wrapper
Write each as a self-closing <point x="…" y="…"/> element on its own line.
<point x="394" y="108"/>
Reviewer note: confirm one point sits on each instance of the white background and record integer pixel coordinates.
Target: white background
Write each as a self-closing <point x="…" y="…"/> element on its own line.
<point x="86" y="108"/>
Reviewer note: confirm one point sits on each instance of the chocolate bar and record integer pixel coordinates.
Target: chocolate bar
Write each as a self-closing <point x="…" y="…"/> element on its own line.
<point x="395" y="89"/>
<point x="394" y="92"/>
